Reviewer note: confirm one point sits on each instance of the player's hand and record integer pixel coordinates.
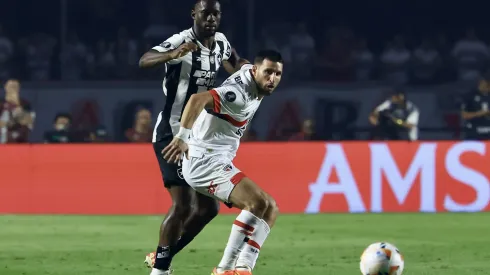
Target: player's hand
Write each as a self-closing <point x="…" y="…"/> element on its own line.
<point x="175" y="150"/>
<point x="184" y="49"/>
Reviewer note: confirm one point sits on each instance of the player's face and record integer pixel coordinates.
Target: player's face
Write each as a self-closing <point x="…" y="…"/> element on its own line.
<point x="484" y="86"/>
<point x="207" y="17"/>
<point x="267" y="75"/>
<point x="12" y="87"/>
<point x="143" y="117"/>
<point x="62" y="123"/>
<point x="398" y="99"/>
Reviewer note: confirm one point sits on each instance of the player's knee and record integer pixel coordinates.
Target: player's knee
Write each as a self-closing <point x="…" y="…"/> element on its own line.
<point x="182" y="210"/>
<point x="273" y="208"/>
<point x="207" y="213"/>
<point x="258" y="206"/>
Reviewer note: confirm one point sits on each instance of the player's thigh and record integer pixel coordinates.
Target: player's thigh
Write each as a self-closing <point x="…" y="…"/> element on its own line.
<point x="247" y="194"/>
<point x="171" y="172"/>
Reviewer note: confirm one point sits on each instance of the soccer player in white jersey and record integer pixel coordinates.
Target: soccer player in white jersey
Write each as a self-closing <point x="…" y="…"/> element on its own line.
<point x="192" y="59"/>
<point x="210" y="131"/>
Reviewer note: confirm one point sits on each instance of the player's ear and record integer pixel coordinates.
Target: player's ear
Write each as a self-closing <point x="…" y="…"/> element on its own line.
<point x="254" y="69"/>
<point x="193" y="14"/>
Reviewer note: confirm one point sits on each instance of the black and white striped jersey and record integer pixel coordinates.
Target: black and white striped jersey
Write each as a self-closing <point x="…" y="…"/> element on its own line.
<point x="187" y="75"/>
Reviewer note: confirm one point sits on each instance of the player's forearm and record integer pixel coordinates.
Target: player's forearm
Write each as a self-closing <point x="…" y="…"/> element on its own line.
<point x="153" y="58"/>
<point x="192" y="111"/>
<point x="472" y="115"/>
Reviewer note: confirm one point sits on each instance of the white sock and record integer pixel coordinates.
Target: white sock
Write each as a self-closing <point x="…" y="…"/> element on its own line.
<point x="155" y="271"/>
<point x="250" y="253"/>
<point x="243" y="227"/>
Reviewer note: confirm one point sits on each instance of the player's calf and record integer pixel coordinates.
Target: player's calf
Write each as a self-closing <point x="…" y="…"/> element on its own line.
<point x="251" y="228"/>
<point x="204" y="210"/>
<point x="171" y="228"/>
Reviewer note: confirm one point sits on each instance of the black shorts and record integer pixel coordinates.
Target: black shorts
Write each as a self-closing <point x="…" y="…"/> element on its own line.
<point x="171" y="172"/>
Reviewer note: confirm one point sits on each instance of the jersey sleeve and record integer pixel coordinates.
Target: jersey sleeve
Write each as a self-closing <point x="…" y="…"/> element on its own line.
<point x="383" y="106"/>
<point x="228" y="99"/>
<point x="171" y="43"/>
<point x="413" y="117"/>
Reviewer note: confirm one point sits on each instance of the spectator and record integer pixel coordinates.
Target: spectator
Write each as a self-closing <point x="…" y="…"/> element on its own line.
<point x="38" y="50"/>
<point x="61" y="130"/>
<point x="302" y="46"/>
<point x="126" y="54"/>
<point x="395" y="61"/>
<point x="475" y="111"/>
<point x="307" y="132"/>
<point x="335" y="62"/>
<point x="141" y="131"/>
<point x="6" y="54"/>
<point x="16" y="115"/>
<point x="99" y="135"/>
<point x="363" y="60"/>
<point x="471" y="56"/>
<point x="104" y="60"/>
<point x="426" y="63"/>
<point x="396" y="118"/>
<point x="73" y="59"/>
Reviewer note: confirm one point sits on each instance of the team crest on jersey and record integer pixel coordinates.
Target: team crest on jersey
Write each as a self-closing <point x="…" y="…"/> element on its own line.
<point x="228" y="168"/>
<point x="230" y="96"/>
<point x="166" y="45"/>
<point x="219" y="57"/>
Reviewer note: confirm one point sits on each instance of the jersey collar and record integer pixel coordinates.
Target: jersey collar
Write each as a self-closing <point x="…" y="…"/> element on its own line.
<point x="195" y="40"/>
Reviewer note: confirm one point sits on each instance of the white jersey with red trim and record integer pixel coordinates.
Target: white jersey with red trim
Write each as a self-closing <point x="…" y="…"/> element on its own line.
<point x="235" y="103"/>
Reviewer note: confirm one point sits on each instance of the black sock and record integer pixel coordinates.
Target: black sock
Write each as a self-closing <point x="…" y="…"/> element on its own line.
<point x="163" y="259"/>
<point x="181" y="243"/>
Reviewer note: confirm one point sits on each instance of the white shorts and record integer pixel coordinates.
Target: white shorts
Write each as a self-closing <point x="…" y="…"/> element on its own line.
<point x="213" y="175"/>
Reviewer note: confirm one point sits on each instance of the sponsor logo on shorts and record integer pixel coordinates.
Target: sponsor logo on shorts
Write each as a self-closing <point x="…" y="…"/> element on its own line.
<point x="228" y="168"/>
<point x="179" y="173"/>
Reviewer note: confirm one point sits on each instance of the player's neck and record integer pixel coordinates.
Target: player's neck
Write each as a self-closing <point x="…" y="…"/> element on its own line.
<point x="205" y="41"/>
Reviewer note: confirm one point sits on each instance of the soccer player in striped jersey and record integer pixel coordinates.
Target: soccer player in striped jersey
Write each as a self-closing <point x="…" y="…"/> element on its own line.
<point x="192" y="59"/>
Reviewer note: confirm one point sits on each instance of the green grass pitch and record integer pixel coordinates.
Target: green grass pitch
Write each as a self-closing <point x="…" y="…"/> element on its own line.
<point x="434" y="244"/>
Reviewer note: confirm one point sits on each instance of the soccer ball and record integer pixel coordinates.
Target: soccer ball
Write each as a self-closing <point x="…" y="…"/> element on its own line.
<point x="382" y="259"/>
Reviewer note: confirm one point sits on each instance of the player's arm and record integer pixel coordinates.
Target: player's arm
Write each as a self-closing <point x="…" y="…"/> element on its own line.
<point x="195" y="105"/>
<point x="374" y="116"/>
<point x="169" y="51"/>
<point x="154" y="58"/>
<point x="466" y="115"/>
<point x="234" y="62"/>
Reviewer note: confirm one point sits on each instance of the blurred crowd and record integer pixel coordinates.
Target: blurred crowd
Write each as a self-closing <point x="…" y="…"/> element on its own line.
<point x="339" y="55"/>
<point x="334" y="42"/>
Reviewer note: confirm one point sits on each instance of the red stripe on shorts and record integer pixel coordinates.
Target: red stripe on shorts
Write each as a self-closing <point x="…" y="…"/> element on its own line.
<point x="237" y="178"/>
<point x="244" y="225"/>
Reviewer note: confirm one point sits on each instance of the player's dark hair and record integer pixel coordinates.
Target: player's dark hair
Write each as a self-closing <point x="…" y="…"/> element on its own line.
<point x="199" y="1"/>
<point x="270" y="55"/>
<point x="62" y="115"/>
